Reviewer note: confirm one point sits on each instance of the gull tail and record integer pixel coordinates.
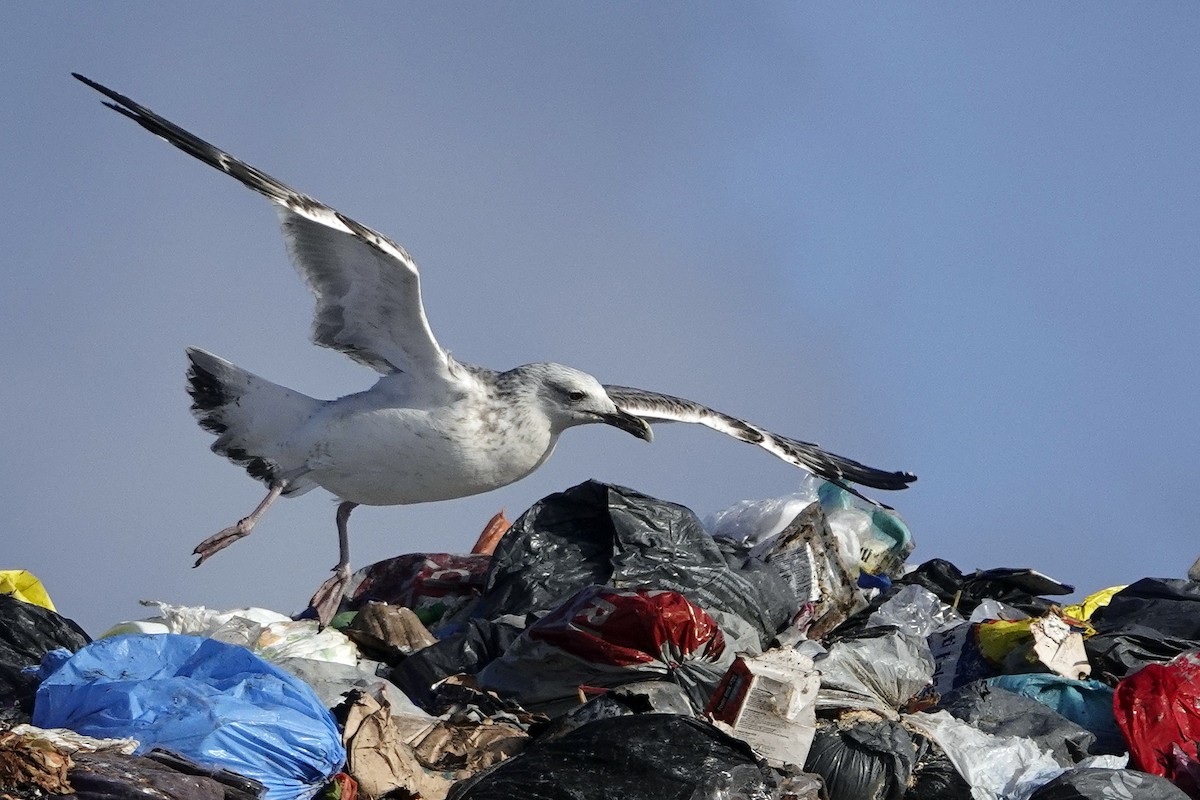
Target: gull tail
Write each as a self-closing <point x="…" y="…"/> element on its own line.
<point x="253" y="418"/>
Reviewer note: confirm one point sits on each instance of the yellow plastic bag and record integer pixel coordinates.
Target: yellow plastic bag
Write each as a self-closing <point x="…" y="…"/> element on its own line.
<point x="1083" y="611"/>
<point x="24" y="586"/>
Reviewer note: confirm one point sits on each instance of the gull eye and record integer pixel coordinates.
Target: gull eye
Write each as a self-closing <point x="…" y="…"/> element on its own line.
<point x="575" y="396"/>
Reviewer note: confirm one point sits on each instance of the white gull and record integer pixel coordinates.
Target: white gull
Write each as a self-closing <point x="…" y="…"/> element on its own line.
<point x="431" y="428"/>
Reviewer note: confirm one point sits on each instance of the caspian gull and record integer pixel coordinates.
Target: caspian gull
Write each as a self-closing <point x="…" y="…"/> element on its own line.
<point x="431" y="428"/>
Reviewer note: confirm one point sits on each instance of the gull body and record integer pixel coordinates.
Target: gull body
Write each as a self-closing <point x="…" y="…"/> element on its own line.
<point x="431" y="428"/>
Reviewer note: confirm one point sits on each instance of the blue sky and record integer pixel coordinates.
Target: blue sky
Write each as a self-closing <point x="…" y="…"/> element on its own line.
<point x="952" y="239"/>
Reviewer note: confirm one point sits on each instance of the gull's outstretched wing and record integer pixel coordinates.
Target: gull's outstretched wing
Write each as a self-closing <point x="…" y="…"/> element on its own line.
<point x="368" y="289"/>
<point x="655" y="407"/>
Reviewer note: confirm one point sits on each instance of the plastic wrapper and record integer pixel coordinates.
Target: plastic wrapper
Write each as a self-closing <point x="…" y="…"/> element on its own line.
<point x="915" y="611"/>
<point x="1158" y="711"/>
<point x="1087" y="703"/>
<point x="69" y="741"/>
<point x="27" y="633"/>
<point x="863" y="759"/>
<point x="596" y="534"/>
<point x="1002" y="713"/>
<point x="878" y="535"/>
<point x="985" y="649"/>
<point x="1108" y="784"/>
<point x="878" y="538"/>
<point x="217" y="704"/>
<point x="639" y="757"/>
<point x="605" y="637"/>
<point x="819" y="573"/>
<point x="877" y="673"/>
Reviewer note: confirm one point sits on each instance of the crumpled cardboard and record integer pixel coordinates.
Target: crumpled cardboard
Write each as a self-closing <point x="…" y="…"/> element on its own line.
<point x="378" y="757"/>
<point x="28" y="760"/>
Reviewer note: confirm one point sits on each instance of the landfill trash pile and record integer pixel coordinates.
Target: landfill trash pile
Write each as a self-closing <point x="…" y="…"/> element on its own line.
<point x="609" y="644"/>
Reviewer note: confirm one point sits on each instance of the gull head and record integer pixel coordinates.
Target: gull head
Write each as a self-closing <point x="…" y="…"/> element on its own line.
<point x="570" y="397"/>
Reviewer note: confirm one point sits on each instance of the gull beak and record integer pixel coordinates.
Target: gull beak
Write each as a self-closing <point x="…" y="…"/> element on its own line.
<point x="630" y="424"/>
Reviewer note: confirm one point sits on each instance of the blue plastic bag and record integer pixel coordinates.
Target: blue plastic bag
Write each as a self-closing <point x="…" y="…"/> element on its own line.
<point x="215" y="703"/>
<point x="1089" y="704"/>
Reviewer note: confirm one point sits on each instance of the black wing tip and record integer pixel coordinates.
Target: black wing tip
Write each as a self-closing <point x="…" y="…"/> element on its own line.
<point x="111" y="94"/>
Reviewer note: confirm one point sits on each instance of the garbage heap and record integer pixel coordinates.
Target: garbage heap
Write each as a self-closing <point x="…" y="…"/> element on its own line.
<point x="611" y="645"/>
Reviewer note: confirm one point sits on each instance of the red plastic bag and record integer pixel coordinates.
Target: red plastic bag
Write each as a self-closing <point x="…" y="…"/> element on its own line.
<point x="622" y="628"/>
<point x="1158" y="712"/>
<point x="606" y="637"/>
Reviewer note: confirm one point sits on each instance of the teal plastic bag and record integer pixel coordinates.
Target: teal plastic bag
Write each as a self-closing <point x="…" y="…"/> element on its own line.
<point x="1089" y="704"/>
<point x="217" y="704"/>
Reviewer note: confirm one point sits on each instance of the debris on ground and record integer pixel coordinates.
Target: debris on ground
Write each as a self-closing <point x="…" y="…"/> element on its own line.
<point x="610" y="644"/>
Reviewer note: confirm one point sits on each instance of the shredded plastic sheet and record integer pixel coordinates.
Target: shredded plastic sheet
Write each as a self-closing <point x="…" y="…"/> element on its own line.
<point x="25" y="586"/>
<point x="996" y="767"/>
<point x="215" y="703"/>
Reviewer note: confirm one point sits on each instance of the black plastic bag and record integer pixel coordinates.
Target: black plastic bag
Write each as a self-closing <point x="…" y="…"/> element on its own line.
<point x="1003" y="713"/>
<point x="1117" y="655"/>
<point x="1148" y="622"/>
<point x="28" y="632"/>
<point x="1169" y="606"/>
<point x="1019" y="588"/>
<point x="599" y="534"/>
<point x="468" y="651"/>
<point x="1095" y="783"/>
<point x="640" y="757"/>
<point x="863" y="759"/>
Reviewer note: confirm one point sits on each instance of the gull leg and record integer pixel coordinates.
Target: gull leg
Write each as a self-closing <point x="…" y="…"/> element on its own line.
<point x="222" y="539"/>
<point x="329" y="596"/>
